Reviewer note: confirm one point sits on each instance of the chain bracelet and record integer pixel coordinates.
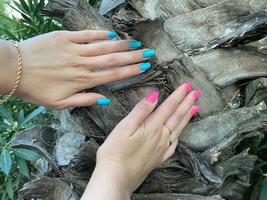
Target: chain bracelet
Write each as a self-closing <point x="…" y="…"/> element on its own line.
<point x="19" y="58"/>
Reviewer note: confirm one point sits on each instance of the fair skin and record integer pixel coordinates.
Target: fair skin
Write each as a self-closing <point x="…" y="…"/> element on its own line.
<point x="57" y="66"/>
<point x="71" y="61"/>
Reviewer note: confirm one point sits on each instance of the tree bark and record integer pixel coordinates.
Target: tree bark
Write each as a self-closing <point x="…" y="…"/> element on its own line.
<point x="191" y="46"/>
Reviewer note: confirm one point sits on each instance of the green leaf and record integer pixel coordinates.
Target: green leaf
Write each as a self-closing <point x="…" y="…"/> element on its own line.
<point x="18" y="180"/>
<point x="19" y="8"/>
<point x="27" y="154"/>
<point x="21" y="116"/>
<point x="3" y="127"/>
<point x="34" y="113"/>
<point x="2" y="141"/>
<point x="4" y="195"/>
<point x="39" y="7"/>
<point x="5" y="161"/>
<point x="31" y="6"/>
<point x="8" y="34"/>
<point x="5" y="114"/>
<point x="27" y="19"/>
<point x="9" y="188"/>
<point x="259" y="166"/>
<point x="25" y="6"/>
<point x="23" y="167"/>
<point x="263" y="194"/>
<point x="93" y="2"/>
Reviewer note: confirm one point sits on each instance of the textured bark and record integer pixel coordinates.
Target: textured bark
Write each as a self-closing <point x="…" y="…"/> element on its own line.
<point x="207" y="163"/>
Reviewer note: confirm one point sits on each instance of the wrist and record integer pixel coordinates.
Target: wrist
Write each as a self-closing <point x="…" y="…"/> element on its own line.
<point x="108" y="177"/>
<point x="8" y="66"/>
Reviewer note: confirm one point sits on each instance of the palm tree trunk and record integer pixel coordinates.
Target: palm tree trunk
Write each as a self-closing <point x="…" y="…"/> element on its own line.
<point x="207" y="42"/>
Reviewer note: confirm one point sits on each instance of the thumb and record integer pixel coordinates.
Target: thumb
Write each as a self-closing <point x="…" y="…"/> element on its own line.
<point x="84" y="99"/>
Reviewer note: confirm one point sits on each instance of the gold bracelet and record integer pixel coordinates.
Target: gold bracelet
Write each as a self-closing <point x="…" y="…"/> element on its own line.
<point x="19" y="58"/>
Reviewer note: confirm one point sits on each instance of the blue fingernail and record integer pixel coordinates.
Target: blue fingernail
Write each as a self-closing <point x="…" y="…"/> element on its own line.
<point x="135" y="44"/>
<point x="149" y="53"/>
<point x="144" y="66"/>
<point x="103" y="101"/>
<point x="112" y="34"/>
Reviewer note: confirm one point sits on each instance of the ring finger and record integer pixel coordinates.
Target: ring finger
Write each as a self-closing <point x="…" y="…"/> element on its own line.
<point x="107" y="76"/>
<point x="182" y="109"/>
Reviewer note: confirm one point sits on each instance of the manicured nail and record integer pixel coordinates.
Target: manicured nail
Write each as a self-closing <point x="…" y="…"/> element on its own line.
<point x="149" y="53"/>
<point x="152" y="97"/>
<point x="135" y="44"/>
<point x="112" y="34"/>
<point x="188" y="86"/>
<point x="144" y="66"/>
<point x="197" y="94"/>
<point x="194" y="110"/>
<point x="103" y="101"/>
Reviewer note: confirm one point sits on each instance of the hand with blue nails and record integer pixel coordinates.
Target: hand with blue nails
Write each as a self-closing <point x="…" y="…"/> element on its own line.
<point x="58" y="66"/>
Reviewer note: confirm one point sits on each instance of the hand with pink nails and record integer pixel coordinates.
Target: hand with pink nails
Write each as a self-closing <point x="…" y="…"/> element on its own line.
<point x="141" y="142"/>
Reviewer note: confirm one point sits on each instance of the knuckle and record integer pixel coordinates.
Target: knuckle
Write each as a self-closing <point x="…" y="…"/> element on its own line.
<point x="177" y="117"/>
<point x="102" y="48"/>
<point x="165" y="135"/>
<point x="83" y="75"/>
<point x="173" y="101"/>
<point x="164" y="110"/>
<point x="109" y="47"/>
<point x="74" y="62"/>
<point x="163" y="147"/>
<point x="144" y="107"/>
<point x="112" y="60"/>
<point x="115" y="74"/>
<point x="85" y="33"/>
<point x="136" y="55"/>
<point x="57" y="35"/>
<point x="59" y="106"/>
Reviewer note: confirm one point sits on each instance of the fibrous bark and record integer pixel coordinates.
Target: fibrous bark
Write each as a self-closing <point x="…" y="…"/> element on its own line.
<point x="203" y="41"/>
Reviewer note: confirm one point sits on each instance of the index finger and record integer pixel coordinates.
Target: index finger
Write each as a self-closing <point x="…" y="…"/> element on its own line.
<point x="140" y="112"/>
<point x="86" y="36"/>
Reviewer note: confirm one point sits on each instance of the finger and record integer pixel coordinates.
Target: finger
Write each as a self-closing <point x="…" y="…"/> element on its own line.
<point x="169" y="153"/>
<point x="117" y="59"/>
<point x="166" y="109"/>
<point x="83" y="99"/>
<point x="108" y="47"/>
<point x="182" y="109"/>
<point x="86" y="36"/>
<point x="179" y="129"/>
<point x="107" y="76"/>
<point x="140" y="112"/>
<point x="164" y="141"/>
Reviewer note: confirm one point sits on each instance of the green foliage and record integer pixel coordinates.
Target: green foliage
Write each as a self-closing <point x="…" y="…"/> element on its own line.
<point x="5" y="161"/>
<point x="2" y="6"/>
<point x="30" y="23"/>
<point x="16" y="164"/>
<point x="93" y="2"/>
<point x="263" y="193"/>
<point x="258" y="189"/>
<point x="26" y="154"/>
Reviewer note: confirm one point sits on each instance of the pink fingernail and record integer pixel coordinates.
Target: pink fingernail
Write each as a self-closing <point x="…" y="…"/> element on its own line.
<point x="197" y="94"/>
<point x="152" y="97"/>
<point x="188" y="87"/>
<point x="194" y="110"/>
